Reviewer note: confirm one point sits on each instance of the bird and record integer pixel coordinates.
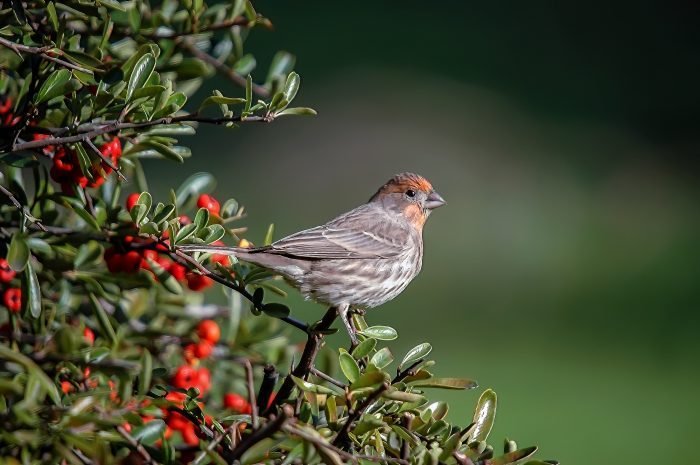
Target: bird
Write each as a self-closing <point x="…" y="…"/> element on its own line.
<point x="358" y="260"/>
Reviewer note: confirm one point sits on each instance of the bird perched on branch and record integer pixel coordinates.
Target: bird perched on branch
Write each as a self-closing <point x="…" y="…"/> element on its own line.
<point x="362" y="258"/>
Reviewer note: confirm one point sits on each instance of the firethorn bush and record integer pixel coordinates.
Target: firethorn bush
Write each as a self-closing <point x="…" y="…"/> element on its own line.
<point x="109" y="352"/>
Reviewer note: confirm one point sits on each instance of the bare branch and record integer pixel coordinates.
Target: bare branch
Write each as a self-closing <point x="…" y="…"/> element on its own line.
<point x="137" y="446"/>
<point x="41" y="51"/>
<point x="24" y="210"/>
<point x="220" y="67"/>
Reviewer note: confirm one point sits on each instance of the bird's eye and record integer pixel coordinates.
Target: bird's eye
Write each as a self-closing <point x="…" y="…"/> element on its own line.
<point x="411" y="193"/>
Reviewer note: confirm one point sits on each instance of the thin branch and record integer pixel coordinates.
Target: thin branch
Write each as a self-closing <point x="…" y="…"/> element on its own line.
<point x="270" y="428"/>
<point x="322" y="375"/>
<point x="136" y="445"/>
<point x="220" y="67"/>
<point x="318" y="442"/>
<point x="41" y="51"/>
<point x="119" y="126"/>
<point x="303" y="368"/>
<point x="212" y="445"/>
<point x="270" y="377"/>
<point x="342" y="437"/>
<point x="410" y="371"/>
<point x="251" y="394"/>
<point x="105" y="159"/>
<point x="24" y="210"/>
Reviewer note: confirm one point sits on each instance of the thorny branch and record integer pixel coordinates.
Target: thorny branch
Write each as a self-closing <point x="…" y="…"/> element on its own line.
<point x="117" y="126"/>
<point x="137" y="446"/>
<point x="342" y="438"/>
<point x="220" y="67"/>
<point x="42" y="52"/>
<point x="271" y="427"/>
<point x="303" y="368"/>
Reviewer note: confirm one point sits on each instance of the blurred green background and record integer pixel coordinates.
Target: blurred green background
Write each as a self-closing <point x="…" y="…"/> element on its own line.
<point x="564" y="271"/>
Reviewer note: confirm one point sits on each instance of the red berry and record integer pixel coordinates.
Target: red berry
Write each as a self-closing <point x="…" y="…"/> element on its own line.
<point x="49" y="149"/>
<point x="67" y="387"/>
<point x="184" y="377"/>
<point x="6" y="106"/>
<point x="222" y="259"/>
<point x="177" y="421"/>
<point x="114" y="260"/>
<point x="203" y="380"/>
<point x="131" y="200"/>
<point x="131" y="262"/>
<point x="13" y="299"/>
<point x="148" y="254"/>
<point x="184" y="219"/>
<point x="89" y="336"/>
<point x="188" y="353"/>
<point x="203" y="349"/>
<point x="208" y="330"/>
<point x="127" y="426"/>
<point x="6" y="273"/>
<point x="198" y="282"/>
<point x="178" y="271"/>
<point x="210" y="203"/>
<point x="237" y="403"/>
<point x="189" y="436"/>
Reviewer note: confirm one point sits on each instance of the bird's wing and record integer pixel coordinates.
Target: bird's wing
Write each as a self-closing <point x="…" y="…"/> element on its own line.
<point x="358" y="234"/>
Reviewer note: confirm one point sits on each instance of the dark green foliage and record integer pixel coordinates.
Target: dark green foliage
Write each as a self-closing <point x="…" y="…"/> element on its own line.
<point x="97" y="360"/>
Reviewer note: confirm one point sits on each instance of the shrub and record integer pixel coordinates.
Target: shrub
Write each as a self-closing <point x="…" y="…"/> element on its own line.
<point x="108" y="352"/>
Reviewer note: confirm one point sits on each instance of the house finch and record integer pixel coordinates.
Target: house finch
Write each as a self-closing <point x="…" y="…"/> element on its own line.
<point x="362" y="258"/>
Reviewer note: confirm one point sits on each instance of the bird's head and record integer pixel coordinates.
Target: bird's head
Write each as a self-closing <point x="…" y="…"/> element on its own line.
<point x="410" y="195"/>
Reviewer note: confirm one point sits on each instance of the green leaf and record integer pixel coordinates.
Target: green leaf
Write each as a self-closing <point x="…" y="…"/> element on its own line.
<point x="185" y="232"/>
<point x="150" y="432"/>
<point x="382" y="358"/>
<point x="32" y="369"/>
<point x="140" y="74"/>
<point x="513" y="457"/>
<point x="146" y="372"/>
<point x="300" y="111"/>
<point x="103" y="319"/>
<point x="54" y="85"/>
<point x="18" y="253"/>
<point x="198" y="183"/>
<point x="34" y="290"/>
<point x="53" y="17"/>
<point x="163" y="149"/>
<point x="276" y="310"/>
<point x="383" y="333"/>
<point x="484" y="415"/>
<point x="364" y="348"/>
<point x="370" y="379"/>
<point x="83" y="59"/>
<point x="349" y="367"/>
<point x="403" y="396"/>
<point x="311" y="387"/>
<point x="164" y="277"/>
<point x="201" y="219"/>
<point x="418" y="352"/>
<point x="218" y="100"/>
<point x="447" y="383"/>
<point x="291" y="87"/>
<point x="269" y="234"/>
<point x="214" y="232"/>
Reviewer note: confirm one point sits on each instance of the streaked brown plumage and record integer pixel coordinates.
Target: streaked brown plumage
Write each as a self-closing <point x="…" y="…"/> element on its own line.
<point x="362" y="258"/>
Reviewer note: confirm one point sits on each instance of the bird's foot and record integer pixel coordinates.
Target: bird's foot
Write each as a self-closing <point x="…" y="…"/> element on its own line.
<point x="346" y="317"/>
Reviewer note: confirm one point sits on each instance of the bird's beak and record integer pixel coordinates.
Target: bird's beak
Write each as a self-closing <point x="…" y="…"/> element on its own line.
<point x="433" y="201"/>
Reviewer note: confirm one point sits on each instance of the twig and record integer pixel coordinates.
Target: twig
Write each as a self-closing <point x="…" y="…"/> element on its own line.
<point x="270" y="377"/>
<point x="400" y="375"/>
<point x="328" y="378"/>
<point x="318" y="442"/>
<point x="251" y="394"/>
<point x="24" y="210"/>
<point x="303" y="368"/>
<point x="105" y="159"/>
<point x="212" y="445"/>
<point x="270" y="428"/>
<point x="220" y="67"/>
<point x="41" y="51"/>
<point x="119" y="126"/>
<point x="136" y="445"/>
<point x="342" y="437"/>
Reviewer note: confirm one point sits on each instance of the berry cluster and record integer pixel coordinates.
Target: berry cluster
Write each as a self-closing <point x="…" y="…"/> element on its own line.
<point x="7" y="118"/>
<point x="11" y="296"/>
<point x="66" y="167"/>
